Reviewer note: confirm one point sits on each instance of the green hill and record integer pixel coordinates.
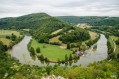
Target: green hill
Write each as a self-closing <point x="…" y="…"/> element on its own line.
<point x="91" y="20"/>
<point x="29" y="21"/>
<point x="22" y="22"/>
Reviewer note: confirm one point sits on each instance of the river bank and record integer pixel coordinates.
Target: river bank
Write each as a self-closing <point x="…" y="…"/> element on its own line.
<point x="21" y="53"/>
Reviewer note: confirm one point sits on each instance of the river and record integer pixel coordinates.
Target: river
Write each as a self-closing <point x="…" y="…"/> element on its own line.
<point x="21" y="53"/>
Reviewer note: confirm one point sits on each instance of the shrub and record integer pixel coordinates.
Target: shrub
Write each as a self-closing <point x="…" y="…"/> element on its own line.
<point x="38" y="50"/>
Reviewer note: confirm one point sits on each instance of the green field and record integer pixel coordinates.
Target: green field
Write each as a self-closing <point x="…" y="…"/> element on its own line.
<point x="113" y="45"/>
<point x="52" y="52"/>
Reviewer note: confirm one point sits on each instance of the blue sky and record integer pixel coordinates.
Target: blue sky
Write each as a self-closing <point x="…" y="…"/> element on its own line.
<point x="13" y="8"/>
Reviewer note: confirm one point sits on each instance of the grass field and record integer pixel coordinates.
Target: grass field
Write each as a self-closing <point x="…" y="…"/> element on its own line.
<point x="4" y="33"/>
<point x="52" y="52"/>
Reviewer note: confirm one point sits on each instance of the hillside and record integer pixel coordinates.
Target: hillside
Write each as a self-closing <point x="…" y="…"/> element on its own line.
<point x="22" y="22"/>
<point x="27" y="21"/>
<point x="91" y="20"/>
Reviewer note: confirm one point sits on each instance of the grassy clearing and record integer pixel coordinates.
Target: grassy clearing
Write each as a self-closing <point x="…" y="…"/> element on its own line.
<point x="55" y="39"/>
<point x="93" y="35"/>
<point x="5" y="41"/>
<point x="52" y="52"/>
<point x="83" y="26"/>
<point x="55" y="32"/>
<point x="4" y="33"/>
<point x="9" y="32"/>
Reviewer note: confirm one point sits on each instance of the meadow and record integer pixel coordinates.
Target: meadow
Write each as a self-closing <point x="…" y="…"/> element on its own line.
<point x="52" y="52"/>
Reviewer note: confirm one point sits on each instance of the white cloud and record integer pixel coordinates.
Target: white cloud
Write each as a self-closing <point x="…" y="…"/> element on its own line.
<point x="11" y="8"/>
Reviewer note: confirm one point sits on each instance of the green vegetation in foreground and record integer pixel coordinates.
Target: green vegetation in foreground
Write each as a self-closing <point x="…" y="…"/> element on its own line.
<point x="52" y="52"/>
<point x="11" y="69"/>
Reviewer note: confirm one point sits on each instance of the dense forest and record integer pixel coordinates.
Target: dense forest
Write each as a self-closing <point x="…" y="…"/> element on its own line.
<point x="91" y="20"/>
<point x="29" y="21"/>
<point x="109" y="29"/>
<point x="77" y="35"/>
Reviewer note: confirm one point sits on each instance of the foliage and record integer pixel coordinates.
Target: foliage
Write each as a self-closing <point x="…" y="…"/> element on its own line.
<point x="75" y="36"/>
<point x="68" y="46"/>
<point x="91" y="20"/>
<point x="32" y="51"/>
<point x="38" y="50"/>
<point x="108" y="29"/>
<point x="3" y="47"/>
<point x="117" y="42"/>
<point x="91" y="42"/>
<point x="13" y="37"/>
<point x="10" y="68"/>
<point x="22" y="22"/>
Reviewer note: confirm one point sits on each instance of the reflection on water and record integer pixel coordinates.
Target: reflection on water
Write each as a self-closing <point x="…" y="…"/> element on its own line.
<point x="21" y="53"/>
<point x="94" y="56"/>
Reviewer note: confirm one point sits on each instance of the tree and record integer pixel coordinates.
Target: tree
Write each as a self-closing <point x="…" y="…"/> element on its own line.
<point x="8" y="37"/>
<point x="117" y="42"/>
<point x="3" y="47"/>
<point x="32" y="50"/>
<point x="66" y="57"/>
<point x="70" y="57"/>
<point x="68" y="46"/>
<point x="77" y="35"/>
<point x="42" y="58"/>
<point x="38" y="50"/>
<point x="13" y="37"/>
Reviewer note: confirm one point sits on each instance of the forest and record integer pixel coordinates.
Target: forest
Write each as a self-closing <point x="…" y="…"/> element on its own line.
<point x="75" y="36"/>
<point x="91" y="20"/>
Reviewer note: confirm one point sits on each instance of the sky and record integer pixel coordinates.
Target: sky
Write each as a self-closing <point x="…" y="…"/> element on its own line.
<point x="14" y="8"/>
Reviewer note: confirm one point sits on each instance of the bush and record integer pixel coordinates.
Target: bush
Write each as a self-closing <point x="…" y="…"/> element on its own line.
<point x="117" y="42"/>
<point x="13" y="37"/>
<point x="8" y="37"/>
<point x="38" y="50"/>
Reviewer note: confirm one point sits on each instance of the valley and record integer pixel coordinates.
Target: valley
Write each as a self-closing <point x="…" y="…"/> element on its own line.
<point x="39" y="45"/>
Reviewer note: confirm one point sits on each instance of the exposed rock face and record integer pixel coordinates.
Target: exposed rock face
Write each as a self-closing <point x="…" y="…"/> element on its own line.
<point x="53" y="77"/>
